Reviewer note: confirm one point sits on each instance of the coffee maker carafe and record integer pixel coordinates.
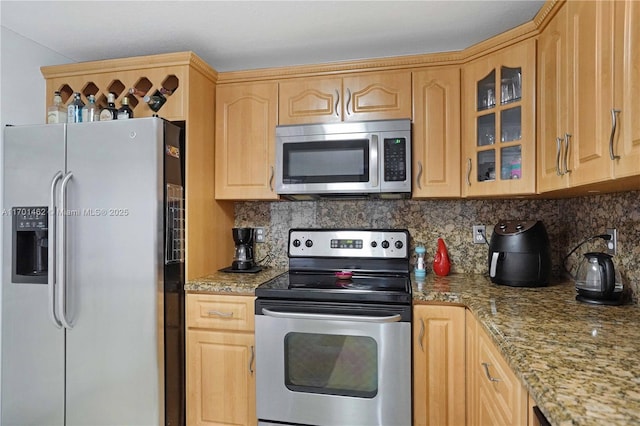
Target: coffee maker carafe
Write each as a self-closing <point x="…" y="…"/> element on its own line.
<point x="243" y="256"/>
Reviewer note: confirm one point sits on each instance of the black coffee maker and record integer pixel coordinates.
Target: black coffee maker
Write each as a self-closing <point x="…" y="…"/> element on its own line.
<point x="243" y="256"/>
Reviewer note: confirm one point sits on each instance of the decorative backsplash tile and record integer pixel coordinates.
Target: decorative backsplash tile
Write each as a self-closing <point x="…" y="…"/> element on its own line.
<point x="568" y="222"/>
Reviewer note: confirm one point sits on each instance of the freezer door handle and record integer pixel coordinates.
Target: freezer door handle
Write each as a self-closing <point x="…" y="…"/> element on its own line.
<point x="62" y="258"/>
<point x="51" y="237"/>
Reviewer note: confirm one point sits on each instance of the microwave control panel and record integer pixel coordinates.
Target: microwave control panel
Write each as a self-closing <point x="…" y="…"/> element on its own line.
<point x="395" y="154"/>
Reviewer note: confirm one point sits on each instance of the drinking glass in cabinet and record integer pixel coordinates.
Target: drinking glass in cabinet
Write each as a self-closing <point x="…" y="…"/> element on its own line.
<point x="510" y="85"/>
<point x="486" y="165"/>
<point x="486" y="129"/>
<point x="511" y="162"/>
<point x="486" y="91"/>
<point x="511" y="123"/>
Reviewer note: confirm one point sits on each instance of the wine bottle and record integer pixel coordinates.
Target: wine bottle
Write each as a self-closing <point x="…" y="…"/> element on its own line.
<point x="74" y="110"/>
<point x="57" y="112"/>
<point x="92" y="112"/>
<point x="125" y="112"/>
<point x="155" y="101"/>
<point x="110" y="112"/>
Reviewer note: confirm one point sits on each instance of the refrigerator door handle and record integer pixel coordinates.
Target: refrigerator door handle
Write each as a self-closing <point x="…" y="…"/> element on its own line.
<point x="51" y="237"/>
<point x="62" y="258"/>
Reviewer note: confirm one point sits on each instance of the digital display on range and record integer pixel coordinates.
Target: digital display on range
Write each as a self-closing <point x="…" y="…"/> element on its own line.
<point x="346" y="244"/>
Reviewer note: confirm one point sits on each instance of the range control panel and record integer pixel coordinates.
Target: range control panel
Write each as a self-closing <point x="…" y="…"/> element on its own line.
<point x="377" y="243"/>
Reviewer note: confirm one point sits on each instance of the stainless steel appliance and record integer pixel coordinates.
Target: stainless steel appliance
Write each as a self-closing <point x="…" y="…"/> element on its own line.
<point x="597" y="280"/>
<point x="334" y="348"/>
<point x="344" y="160"/>
<point x="93" y="274"/>
<point x="519" y="254"/>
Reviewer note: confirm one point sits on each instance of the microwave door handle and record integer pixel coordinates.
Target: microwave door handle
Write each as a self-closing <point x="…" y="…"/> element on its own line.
<point x="374" y="161"/>
<point x="331" y="317"/>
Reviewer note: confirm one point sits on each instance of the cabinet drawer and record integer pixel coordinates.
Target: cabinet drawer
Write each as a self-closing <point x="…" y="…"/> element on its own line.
<point x="220" y="312"/>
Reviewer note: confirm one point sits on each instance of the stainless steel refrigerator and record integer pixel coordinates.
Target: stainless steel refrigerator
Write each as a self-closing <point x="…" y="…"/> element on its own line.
<point x="92" y="281"/>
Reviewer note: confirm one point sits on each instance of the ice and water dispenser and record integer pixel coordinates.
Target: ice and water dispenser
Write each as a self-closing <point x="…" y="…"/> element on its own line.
<point x="30" y="245"/>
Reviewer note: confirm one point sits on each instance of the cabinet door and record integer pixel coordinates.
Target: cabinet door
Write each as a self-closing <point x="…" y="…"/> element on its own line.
<point x="314" y="100"/>
<point x="246" y="117"/>
<point x="436" y="133"/>
<point x="552" y="104"/>
<point x="439" y="365"/>
<point x="502" y="400"/>
<point x="590" y="26"/>
<point x="495" y="396"/>
<point x="220" y="378"/>
<point x="377" y="96"/>
<point x="627" y="88"/>
<point x="499" y="117"/>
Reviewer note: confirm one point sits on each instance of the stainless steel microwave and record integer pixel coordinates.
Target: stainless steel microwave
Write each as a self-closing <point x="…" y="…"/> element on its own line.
<point x="367" y="159"/>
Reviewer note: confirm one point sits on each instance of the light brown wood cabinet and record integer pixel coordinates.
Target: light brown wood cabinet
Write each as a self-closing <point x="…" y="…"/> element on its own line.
<point x="495" y="396"/>
<point x="246" y="118"/>
<point x="190" y="105"/>
<point x="220" y="360"/>
<point x="436" y="132"/>
<point x="352" y="97"/>
<point x="499" y="145"/>
<point x="588" y="95"/>
<point x="438" y="365"/>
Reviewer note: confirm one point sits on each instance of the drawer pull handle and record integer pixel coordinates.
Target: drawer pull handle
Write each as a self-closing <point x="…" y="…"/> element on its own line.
<point x="220" y="314"/>
<point x="486" y="371"/>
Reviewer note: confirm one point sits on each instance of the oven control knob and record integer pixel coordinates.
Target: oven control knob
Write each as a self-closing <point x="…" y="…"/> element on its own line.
<point x="385" y="244"/>
<point x="374" y="244"/>
<point x="308" y="243"/>
<point x="399" y="244"/>
<point x="296" y="243"/>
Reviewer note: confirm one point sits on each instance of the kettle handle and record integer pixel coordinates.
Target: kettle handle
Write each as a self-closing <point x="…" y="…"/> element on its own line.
<point x="607" y="275"/>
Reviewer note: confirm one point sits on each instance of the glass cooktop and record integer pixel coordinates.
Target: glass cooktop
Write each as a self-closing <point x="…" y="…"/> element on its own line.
<point x="325" y="286"/>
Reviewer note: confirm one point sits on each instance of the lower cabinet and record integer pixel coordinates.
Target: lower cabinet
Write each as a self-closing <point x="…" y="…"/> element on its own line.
<point x="495" y="396"/>
<point x="220" y="360"/>
<point x="438" y="365"/>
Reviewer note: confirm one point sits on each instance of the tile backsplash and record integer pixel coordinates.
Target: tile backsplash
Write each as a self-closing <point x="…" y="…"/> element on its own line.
<point x="568" y="222"/>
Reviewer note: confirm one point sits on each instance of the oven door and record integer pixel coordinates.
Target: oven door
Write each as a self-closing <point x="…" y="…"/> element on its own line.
<point x="334" y="163"/>
<point x="328" y="365"/>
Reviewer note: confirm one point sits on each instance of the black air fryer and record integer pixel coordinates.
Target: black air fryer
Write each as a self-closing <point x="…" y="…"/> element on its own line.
<point x="519" y="254"/>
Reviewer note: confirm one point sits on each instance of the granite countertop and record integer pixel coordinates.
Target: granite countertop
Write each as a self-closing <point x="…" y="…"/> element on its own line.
<point x="233" y="282"/>
<point x="579" y="362"/>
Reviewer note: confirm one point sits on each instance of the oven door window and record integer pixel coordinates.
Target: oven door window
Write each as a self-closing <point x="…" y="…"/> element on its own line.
<point x="331" y="364"/>
<point x="326" y="161"/>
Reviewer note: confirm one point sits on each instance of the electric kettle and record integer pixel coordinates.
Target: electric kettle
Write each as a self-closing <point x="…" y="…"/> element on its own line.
<point x="596" y="280"/>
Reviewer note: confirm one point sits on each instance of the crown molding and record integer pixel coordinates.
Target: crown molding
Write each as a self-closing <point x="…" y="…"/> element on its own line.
<point x="132" y="63"/>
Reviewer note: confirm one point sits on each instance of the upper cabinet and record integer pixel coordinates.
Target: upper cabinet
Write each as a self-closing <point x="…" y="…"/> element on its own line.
<point x="436" y="133"/>
<point x="626" y="144"/>
<point x="246" y="117"/>
<point x="499" y="122"/>
<point x="588" y="93"/>
<point x="352" y="97"/>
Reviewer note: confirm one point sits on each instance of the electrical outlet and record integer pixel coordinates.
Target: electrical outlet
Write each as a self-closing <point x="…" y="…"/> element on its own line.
<point x="259" y="235"/>
<point x="612" y="244"/>
<point x="479" y="234"/>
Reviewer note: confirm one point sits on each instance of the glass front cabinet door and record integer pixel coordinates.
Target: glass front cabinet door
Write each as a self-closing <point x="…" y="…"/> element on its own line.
<point x="499" y="123"/>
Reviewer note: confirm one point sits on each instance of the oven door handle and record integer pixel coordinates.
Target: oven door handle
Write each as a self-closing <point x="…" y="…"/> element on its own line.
<point x="331" y="317"/>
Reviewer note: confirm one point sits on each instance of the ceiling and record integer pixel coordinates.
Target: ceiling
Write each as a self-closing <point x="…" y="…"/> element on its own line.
<point x="241" y="35"/>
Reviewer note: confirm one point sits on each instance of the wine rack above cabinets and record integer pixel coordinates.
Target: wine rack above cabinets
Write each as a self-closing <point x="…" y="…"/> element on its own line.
<point x="150" y="90"/>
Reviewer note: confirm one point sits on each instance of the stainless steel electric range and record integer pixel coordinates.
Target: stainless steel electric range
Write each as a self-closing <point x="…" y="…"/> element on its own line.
<point x="333" y="336"/>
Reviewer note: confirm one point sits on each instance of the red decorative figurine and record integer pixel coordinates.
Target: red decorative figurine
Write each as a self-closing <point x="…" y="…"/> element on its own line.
<point x="441" y="262"/>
